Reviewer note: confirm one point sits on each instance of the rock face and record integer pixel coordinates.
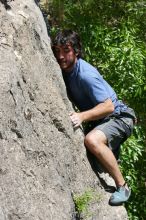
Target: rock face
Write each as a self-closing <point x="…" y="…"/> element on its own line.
<point x="43" y="161"/>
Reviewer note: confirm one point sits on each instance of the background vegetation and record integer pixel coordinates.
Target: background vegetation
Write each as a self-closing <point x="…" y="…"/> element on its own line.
<point x="114" y="40"/>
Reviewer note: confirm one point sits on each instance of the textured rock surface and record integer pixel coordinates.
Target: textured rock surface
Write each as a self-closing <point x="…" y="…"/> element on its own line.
<point x="42" y="160"/>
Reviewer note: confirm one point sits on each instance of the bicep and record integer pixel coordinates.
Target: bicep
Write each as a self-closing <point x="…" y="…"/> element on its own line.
<point x="95" y="89"/>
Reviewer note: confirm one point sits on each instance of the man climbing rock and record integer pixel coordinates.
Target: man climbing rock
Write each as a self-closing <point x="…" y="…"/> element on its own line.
<point x="111" y="120"/>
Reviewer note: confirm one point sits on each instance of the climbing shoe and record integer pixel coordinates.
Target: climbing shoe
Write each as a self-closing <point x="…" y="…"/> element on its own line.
<point x="121" y="195"/>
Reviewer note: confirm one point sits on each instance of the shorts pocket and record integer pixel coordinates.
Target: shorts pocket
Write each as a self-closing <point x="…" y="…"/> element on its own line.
<point x="129" y="125"/>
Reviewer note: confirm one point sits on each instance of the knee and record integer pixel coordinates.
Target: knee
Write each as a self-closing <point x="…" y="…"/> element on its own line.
<point x="94" y="141"/>
<point x="88" y="140"/>
<point x="91" y="142"/>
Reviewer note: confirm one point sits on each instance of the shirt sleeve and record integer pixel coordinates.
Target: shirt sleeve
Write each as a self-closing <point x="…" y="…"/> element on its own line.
<point x="94" y="86"/>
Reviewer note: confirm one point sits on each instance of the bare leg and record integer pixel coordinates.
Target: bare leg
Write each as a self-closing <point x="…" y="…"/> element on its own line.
<point x="96" y="143"/>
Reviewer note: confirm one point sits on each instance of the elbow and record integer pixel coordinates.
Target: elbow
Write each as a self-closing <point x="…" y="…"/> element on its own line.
<point x="111" y="107"/>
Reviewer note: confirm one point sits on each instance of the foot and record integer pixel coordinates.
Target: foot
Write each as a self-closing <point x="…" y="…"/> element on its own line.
<point x="121" y="195"/>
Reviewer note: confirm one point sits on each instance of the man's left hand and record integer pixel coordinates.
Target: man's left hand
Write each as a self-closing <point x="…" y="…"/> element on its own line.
<point x="76" y="118"/>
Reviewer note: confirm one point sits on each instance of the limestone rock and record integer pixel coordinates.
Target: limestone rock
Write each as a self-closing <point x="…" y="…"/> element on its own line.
<point x="43" y="161"/>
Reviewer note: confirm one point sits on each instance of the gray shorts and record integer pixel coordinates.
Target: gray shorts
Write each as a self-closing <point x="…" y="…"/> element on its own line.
<point x="117" y="130"/>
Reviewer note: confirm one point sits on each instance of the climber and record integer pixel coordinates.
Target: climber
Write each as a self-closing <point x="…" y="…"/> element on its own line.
<point x="111" y="121"/>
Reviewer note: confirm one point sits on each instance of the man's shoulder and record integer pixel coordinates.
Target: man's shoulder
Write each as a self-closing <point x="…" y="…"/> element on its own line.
<point x="86" y="70"/>
<point x="85" y="66"/>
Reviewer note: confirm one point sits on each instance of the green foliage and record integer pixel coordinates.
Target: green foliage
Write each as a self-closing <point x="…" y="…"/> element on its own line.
<point x="53" y="10"/>
<point x="112" y="36"/>
<point x="82" y="201"/>
<point x="134" y="169"/>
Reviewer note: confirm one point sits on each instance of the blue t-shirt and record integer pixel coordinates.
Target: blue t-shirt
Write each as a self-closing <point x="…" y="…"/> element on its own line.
<point x="87" y="88"/>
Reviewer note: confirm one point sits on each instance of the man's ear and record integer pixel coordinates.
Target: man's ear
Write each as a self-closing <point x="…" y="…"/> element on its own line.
<point x="76" y="51"/>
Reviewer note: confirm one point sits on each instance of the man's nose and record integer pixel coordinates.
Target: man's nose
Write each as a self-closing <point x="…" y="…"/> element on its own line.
<point x="61" y="55"/>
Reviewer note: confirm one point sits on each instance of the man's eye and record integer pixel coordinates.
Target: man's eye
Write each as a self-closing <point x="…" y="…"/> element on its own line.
<point x="66" y="50"/>
<point x="56" y="51"/>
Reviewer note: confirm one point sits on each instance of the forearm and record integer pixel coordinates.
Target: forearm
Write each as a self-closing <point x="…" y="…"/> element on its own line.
<point x="100" y="111"/>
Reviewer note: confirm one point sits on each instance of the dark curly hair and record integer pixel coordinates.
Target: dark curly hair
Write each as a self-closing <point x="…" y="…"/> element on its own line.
<point x="68" y="36"/>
